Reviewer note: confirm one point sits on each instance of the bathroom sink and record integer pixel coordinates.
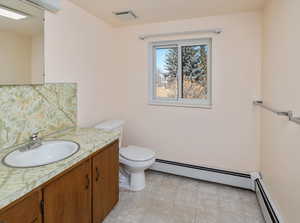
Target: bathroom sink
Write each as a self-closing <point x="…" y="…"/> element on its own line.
<point x="48" y="152"/>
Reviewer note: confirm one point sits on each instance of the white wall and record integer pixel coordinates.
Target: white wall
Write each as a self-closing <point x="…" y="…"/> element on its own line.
<point x="79" y="48"/>
<point x="227" y="136"/>
<point x="280" y="83"/>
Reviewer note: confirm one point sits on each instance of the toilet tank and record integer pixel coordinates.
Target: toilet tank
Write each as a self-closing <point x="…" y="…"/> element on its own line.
<point x="111" y="125"/>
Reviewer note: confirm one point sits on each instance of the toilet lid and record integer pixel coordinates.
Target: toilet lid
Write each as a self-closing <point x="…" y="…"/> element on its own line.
<point x="136" y="153"/>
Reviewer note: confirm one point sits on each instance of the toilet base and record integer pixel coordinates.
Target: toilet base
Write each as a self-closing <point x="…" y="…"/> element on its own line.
<point x="133" y="173"/>
<point x="137" y="181"/>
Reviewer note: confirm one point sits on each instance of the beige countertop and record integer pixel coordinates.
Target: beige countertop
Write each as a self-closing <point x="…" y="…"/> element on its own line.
<point x="17" y="182"/>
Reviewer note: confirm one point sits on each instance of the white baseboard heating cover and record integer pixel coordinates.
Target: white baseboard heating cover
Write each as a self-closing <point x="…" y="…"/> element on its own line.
<point x="242" y="180"/>
<point x="270" y="212"/>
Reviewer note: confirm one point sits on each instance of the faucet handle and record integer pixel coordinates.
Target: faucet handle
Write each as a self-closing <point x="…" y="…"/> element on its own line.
<point x="35" y="135"/>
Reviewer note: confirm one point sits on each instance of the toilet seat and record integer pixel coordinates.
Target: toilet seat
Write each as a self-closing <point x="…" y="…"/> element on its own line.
<point x="136" y="154"/>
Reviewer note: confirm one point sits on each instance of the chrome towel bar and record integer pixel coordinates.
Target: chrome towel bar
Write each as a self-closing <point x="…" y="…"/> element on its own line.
<point x="288" y="114"/>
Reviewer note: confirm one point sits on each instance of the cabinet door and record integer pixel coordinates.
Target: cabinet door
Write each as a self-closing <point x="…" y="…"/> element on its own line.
<point x="25" y="211"/>
<point x="105" y="182"/>
<point x="113" y="177"/>
<point x="68" y="199"/>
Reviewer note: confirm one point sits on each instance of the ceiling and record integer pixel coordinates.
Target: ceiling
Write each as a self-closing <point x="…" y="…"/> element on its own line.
<point x="149" y="11"/>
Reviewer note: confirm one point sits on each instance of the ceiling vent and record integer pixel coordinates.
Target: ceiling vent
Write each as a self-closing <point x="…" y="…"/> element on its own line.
<point x="126" y="15"/>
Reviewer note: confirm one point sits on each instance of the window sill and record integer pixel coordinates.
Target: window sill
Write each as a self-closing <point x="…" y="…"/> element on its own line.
<point x="180" y="104"/>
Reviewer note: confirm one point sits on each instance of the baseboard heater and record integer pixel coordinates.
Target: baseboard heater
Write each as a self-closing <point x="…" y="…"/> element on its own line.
<point x="268" y="208"/>
<point x="241" y="180"/>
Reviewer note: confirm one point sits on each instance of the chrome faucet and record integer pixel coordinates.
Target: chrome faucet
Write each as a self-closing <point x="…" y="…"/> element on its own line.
<point x="35" y="141"/>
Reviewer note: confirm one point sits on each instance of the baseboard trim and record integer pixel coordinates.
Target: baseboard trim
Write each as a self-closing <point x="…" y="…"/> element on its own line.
<point x="269" y="210"/>
<point x="235" y="179"/>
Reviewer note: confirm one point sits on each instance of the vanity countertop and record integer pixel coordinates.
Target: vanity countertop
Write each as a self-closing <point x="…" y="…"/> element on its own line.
<point x="16" y="182"/>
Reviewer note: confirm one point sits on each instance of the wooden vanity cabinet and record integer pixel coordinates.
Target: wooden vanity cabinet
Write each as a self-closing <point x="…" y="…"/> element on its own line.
<point x="105" y="182"/>
<point x="85" y="193"/>
<point x="26" y="210"/>
<point x="68" y="199"/>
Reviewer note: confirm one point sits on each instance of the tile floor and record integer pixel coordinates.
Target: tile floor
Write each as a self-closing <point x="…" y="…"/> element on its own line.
<point x="173" y="199"/>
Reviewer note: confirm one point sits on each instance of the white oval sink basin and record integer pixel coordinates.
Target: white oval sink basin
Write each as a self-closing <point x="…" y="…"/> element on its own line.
<point x="48" y="152"/>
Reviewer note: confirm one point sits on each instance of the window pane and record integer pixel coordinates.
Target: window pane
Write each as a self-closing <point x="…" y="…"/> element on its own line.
<point x="166" y="72"/>
<point x="194" y="72"/>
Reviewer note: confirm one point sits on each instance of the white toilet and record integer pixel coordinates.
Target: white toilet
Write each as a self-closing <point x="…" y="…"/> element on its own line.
<point x="134" y="159"/>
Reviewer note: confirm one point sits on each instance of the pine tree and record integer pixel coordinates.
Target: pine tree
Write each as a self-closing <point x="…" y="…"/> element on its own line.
<point x="190" y="58"/>
<point x="203" y="67"/>
<point x="194" y="62"/>
<point x="172" y="62"/>
<point x="194" y="66"/>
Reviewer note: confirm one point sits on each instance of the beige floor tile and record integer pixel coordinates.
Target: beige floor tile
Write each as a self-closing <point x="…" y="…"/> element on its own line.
<point x="173" y="199"/>
<point x="206" y="216"/>
<point x="230" y="217"/>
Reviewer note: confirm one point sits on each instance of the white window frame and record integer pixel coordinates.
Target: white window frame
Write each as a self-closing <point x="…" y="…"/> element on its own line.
<point x="183" y="102"/>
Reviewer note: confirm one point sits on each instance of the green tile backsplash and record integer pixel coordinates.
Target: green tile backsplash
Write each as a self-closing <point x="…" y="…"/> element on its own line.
<point x="26" y="109"/>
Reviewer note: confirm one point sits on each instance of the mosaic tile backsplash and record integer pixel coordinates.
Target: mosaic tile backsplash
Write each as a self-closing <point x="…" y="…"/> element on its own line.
<point x="35" y="108"/>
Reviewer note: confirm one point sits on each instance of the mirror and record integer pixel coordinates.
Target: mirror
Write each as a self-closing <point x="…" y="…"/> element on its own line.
<point x="21" y="43"/>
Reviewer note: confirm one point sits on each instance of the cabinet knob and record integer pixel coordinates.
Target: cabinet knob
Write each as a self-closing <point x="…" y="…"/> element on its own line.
<point x="97" y="174"/>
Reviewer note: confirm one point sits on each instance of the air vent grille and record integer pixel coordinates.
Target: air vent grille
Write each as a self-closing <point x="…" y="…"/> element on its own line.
<point x="126" y="15"/>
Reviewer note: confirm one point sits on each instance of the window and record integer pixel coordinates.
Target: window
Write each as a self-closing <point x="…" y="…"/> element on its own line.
<point x="180" y="73"/>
